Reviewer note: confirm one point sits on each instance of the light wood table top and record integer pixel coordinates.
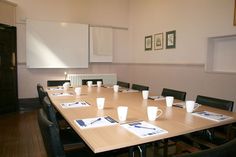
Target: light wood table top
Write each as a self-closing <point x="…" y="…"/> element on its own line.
<point x="175" y="120"/>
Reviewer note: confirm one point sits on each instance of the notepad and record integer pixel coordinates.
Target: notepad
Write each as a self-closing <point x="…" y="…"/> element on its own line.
<point x="157" y="97"/>
<point x="182" y="105"/>
<point x="95" y="122"/>
<point x="55" y="88"/>
<point x="62" y="94"/>
<point x="143" y="129"/>
<point x="75" y="104"/>
<point x="128" y="90"/>
<point x="212" y="116"/>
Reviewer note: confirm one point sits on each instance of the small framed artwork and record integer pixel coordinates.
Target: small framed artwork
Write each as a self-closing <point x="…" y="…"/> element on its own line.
<point x="158" y="41"/>
<point x="148" y="43"/>
<point x="170" y="39"/>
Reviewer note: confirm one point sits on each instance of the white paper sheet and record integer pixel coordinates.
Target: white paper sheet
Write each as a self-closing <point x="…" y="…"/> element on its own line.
<point x="143" y="129"/>
<point x="95" y="122"/>
<point x="62" y="94"/>
<point x="157" y="97"/>
<point x="75" y="104"/>
<point x="212" y="116"/>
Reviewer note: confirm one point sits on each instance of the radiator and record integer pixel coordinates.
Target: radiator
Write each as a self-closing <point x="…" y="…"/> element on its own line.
<point x="76" y="79"/>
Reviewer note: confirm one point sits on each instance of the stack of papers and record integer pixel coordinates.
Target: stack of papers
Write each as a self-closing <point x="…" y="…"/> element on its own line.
<point x="157" y="97"/>
<point x="212" y="116"/>
<point x="143" y="129"/>
<point x="95" y="122"/>
<point x="62" y="94"/>
<point x="75" y="104"/>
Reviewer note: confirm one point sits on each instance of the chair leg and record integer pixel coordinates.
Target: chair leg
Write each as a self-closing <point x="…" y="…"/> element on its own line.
<point x="165" y="151"/>
<point x="155" y="148"/>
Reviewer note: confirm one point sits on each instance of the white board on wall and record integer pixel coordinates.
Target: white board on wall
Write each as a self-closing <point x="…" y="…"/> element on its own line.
<point x="101" y="44"/>
<point x="56" y="44"/>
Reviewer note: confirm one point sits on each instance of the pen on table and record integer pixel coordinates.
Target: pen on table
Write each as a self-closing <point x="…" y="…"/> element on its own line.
<point x="137" y="126"/>
<point x="96" y="120"/>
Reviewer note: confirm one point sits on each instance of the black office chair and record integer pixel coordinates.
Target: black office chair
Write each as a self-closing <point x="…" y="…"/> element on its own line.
<point x="139" y="87"/>
<point x="52" y="141"/>
<point x="225" y="150"/>
<point x="215" y="102"/>
<point x="209" y="135"/>
<point x="180" y="95"/>
<point x="56" y="82"/>
<point x="69" y="137"/>
<point x="41" y="93"/>
<point x="94" y="81"/>
<point x="123" y="84"/>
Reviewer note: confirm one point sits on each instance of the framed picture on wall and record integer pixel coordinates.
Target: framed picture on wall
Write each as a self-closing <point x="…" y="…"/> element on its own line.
<point x="170" y="39"/>
<point x="158" y="41"/>
<point x="148" y="43"/>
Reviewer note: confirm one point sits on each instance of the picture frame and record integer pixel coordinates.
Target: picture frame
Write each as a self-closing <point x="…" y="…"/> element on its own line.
<point x="235" y="13"/>
<point x="148" y="43"/>
<point x="171" y="39"/>
<point x="158" y="41"/>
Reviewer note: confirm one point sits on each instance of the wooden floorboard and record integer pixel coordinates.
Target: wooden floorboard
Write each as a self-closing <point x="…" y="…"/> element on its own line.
<point x="20" y="135"/>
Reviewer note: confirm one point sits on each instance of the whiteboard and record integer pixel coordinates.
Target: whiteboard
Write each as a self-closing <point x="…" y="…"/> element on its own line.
<point x="56" y="44"/>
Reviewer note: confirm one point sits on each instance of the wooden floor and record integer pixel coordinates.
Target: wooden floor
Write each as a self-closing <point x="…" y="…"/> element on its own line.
<point x="20" y="135"/>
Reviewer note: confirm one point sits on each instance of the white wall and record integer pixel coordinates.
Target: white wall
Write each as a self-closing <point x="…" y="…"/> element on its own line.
<point x="193" y="20"/>
<point x="105" y="13"/>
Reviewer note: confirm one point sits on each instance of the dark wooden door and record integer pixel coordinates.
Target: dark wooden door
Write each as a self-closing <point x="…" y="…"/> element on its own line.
<point x="8" y="69"/>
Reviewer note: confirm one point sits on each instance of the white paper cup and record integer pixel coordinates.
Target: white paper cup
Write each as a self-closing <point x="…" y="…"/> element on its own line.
<point x="89" y="83"/>
<point x="78" y="90"/>
<point x="122" y="113"/>
<point x="169" y="101"/>
<point x="153" y="113"/>
<point x="100" y="103"/>
<point x="66" y="85"/>
<point x="99" y="83"/>
<point x="190" y="106"/>
<point x="116" y="88"/>
<point x="145" y="94"/>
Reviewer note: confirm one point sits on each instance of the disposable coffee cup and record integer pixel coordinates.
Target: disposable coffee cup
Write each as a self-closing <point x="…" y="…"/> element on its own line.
<point x="122" y="113"/>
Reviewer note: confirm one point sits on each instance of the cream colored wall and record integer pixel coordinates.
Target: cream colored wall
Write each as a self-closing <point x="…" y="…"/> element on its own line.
<point x="104" y="13"/>
<point x="193" y="20"/>
<point x="7" y="13"/>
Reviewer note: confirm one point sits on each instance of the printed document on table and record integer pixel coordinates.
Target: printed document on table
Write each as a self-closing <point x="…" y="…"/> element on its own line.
<point x="62" y="94"/>
<point x="144" y="129"/>
<point x="212" y="116"/>
<point x="55" y="88"/>
<point x="75" y="104"/>
<point x="182" y="105"/>
<point x="157" y="97"/>
<point x="95" y="122"/>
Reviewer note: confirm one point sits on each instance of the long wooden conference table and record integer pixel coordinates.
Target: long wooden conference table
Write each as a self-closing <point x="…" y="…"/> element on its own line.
<point x="175" y="120"/>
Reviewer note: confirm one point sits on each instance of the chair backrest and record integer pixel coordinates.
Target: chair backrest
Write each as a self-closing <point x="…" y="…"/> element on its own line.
<point x="180" y="95"/>
<point x="139" y="87"/>
<point x="41" y="93"/>
<point x="227" y="149"/>
<point x="215" y="102"/>
<point x="123" y="84"/>
<point x="50" y="135"/>
<point x="50" y="110"/>
<point x="56" y="82"/>
<point x="94" y="81"/>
